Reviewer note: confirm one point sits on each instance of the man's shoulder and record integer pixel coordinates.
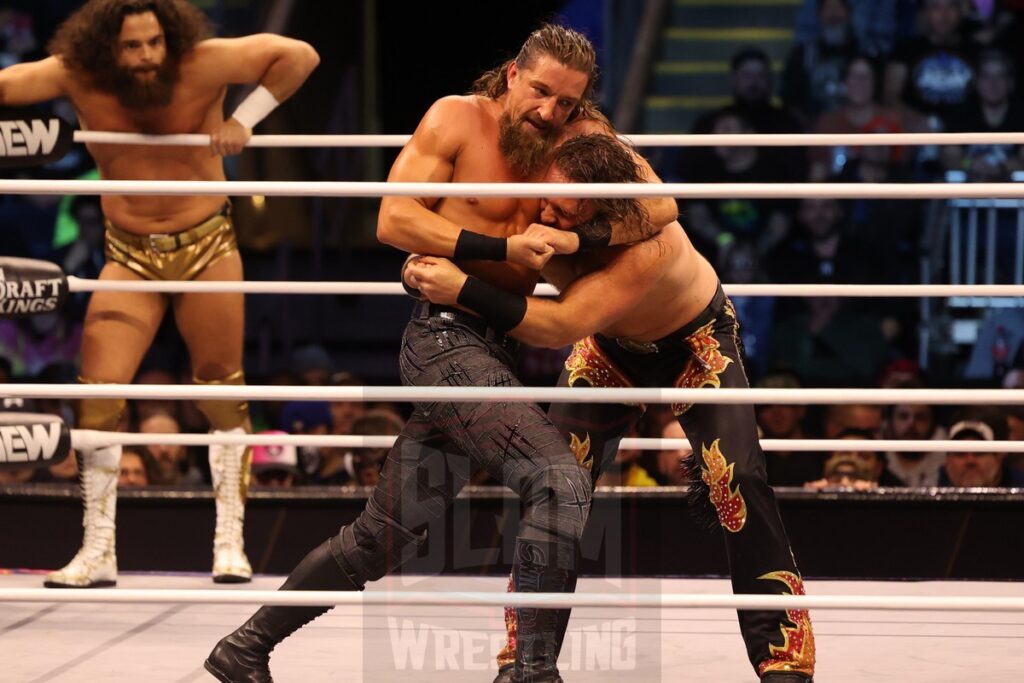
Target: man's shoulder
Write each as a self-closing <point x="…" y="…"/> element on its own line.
<point x="461" y="105"/>
<point x="460" y="113"/>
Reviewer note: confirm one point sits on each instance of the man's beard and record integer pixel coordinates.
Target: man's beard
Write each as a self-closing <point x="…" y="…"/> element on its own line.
<point x="134" y="93"/>
<point x="525" y="152"/>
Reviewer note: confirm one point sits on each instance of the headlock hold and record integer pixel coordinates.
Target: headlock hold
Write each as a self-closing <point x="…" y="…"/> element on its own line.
<point x="30" y="286"/>
<point x="32" y="440"/>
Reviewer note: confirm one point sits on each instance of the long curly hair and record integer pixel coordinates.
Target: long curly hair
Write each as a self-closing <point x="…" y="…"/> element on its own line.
<point x="87" y="40"/>
<point x="599" y="158"/>
<point x="570" y="48"/>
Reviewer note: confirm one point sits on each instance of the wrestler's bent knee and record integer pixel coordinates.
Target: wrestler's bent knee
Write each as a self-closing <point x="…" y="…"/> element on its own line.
<point x="374" y="544"/>
<point x="102" y="414"/>
<point x="224" y="415"/>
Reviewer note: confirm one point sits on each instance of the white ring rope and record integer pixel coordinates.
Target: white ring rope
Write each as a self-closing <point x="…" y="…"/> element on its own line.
<point x="77" y="284"/>
<point x="91" y="439"/>
<point x="267" y="188"/>
<point x="517" y="394"/>
<point x="550" y="600"/>
<point x="664" y="140"/>
<point x="546" y="600"/>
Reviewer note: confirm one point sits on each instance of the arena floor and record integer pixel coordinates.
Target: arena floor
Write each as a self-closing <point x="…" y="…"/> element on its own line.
<point x="67" y="642"/>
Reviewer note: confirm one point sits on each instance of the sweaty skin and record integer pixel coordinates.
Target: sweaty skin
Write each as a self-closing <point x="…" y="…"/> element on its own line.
<point x="211" y="324"/>
<point x="457" y="141"/>
<point x="641" y="291"/>
<point x="281" y="64"/>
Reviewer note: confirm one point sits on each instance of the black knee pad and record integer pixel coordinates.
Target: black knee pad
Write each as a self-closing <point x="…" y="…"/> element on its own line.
<point x="374" y="544"/>
<point x="557" y="500"/>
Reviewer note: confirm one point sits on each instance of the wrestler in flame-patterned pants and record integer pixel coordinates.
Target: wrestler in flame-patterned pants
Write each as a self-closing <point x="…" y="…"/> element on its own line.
<point x="704" y="353"/>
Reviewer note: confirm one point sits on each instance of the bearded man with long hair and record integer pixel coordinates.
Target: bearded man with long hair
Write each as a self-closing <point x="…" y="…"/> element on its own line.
<point x="150" y="66"/>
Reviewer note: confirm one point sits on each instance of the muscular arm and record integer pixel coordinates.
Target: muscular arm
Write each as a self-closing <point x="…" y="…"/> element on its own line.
<point x="279" y="64"/>
<point x="660" y="210"/>
<point x="409" y="223"/>
<point x="587" y="304"/>
<point x="32" y="82"/>
<point x="593" y="301"/>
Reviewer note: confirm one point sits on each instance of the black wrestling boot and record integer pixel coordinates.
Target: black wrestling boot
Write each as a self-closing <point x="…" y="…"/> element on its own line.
<point x="786" y="677"/>
<point x="539" y="630"/>
<point x="244" y="656"/>
<point x="505" y="674"/>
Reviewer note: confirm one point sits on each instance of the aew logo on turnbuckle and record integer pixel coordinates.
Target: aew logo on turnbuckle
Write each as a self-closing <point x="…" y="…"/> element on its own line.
<point x="35" y="444"/>
<point x="26" y="294"/>
<point x="36" y="137"/>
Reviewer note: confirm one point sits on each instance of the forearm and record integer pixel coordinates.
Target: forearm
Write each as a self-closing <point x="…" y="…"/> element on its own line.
<point x="548" y="324"/>
<point x="406" y="224"/>
<point x="659" y="212"/>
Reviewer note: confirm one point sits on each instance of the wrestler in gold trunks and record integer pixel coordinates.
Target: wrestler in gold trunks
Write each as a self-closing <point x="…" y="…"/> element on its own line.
<point x="182" y="255"/>
<point x="149" y="66"/>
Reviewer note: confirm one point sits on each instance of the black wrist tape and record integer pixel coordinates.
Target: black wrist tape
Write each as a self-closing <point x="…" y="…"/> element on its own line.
<point x="409" y="289"/>
<point x="474" y="246"/>
<point x="594" y="234"/>
<point x="502" y="310"/>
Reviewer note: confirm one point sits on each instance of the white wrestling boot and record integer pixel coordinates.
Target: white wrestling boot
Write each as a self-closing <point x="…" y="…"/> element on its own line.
<point x="95" y="564"/>
<point x="229" y="467"/>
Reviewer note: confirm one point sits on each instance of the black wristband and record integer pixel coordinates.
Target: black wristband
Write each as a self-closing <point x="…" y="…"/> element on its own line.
<point x="409" y="289"/>
<point x="594" y="234"/>
<point x="476" y="247"/>
<point x="501" y="309"/>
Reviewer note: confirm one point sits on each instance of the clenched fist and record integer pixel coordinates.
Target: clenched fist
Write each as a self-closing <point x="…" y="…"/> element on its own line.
<point x="229" y="138"/>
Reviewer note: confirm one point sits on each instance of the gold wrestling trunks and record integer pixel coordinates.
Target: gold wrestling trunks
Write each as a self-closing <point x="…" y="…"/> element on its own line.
<point x="180" y="255"/>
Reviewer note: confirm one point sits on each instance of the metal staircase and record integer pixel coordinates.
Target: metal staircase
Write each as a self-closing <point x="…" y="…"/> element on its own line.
<point x="690" y="74"/>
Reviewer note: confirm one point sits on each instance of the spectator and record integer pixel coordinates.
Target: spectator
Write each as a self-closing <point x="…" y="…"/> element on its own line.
<point x="862" y="417"/>
<point x="860" y="112"/>
<point x="751" y="79"/>
<point x="932" y="73"/>
<point x="173" y="462"/>
<point x="361" y="466"/>
<point x="783" y="421"/>
<point x="145" y="408"/>
<point x="64" y="472"/>
<point x="907" y="422"/>
<point x="992" y="110"/>
<point x="307" y="417"/>
<point x="267" y="414"/>
<point x="874" y="23"/>
<point x="21" y="475"/>
<point x="1014" y="379"/>
<point x="344" y="413"/>
<point x="671" y="470"/>
<point x="715" y="224"/>
<point x="313" y="365"/>
<point x="832" y="343"/>
<point x="625" y="469"/>
<point x="861" y="470"/>
<point x="812" y="81"/>
<point x="821" y="251"/>
<point x="743" y="266"/>
<point x="138" y="467"/>
<point x="276" y="466"/>
<point x="986" y="470"/>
